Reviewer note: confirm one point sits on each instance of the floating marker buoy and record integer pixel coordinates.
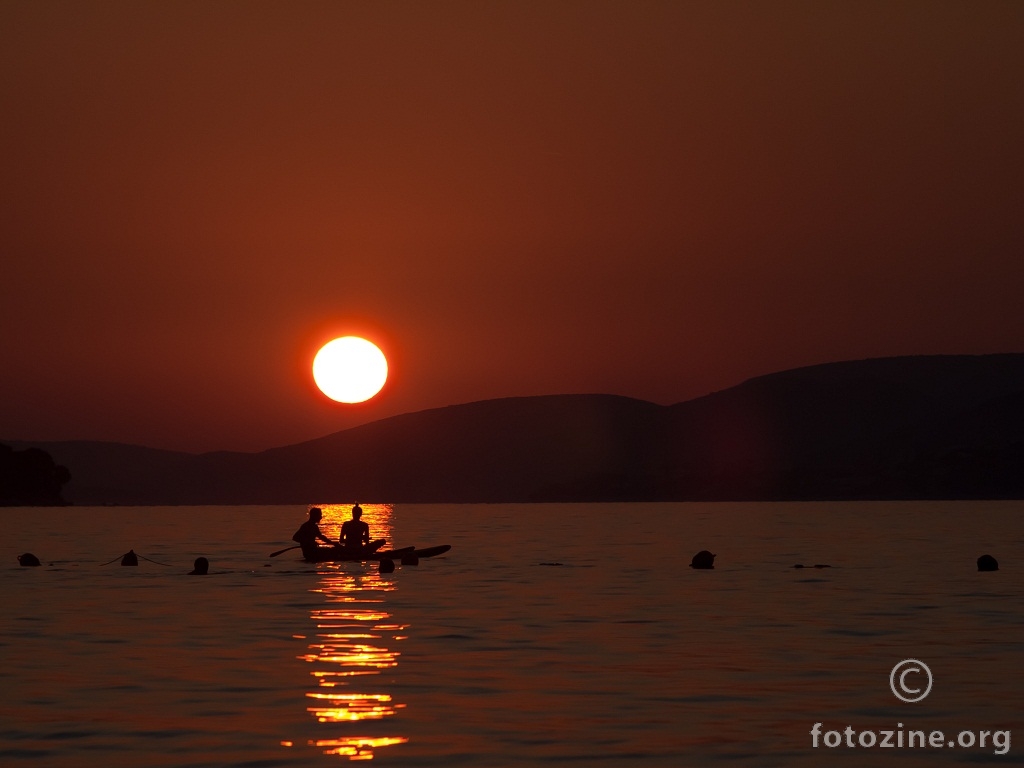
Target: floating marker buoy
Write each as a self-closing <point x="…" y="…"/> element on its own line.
<point x="987" y="563"/>
<point x="387" y="566"/>
<point x="703" y="560"/>
<point x="201" y="567"/>
<point x="130" y="558"/>
<point x="28" y="559"/>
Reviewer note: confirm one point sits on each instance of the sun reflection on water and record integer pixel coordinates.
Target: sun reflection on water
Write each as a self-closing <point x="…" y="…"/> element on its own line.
<point x="354" y="642"/>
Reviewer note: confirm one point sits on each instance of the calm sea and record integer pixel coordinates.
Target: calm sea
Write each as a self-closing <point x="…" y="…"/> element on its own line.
<point x="548" y="634"/>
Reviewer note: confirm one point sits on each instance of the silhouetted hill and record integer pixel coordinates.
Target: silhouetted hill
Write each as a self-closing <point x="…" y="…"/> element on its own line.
<point x="863" y="429"/>
<point x="910" y="427"/>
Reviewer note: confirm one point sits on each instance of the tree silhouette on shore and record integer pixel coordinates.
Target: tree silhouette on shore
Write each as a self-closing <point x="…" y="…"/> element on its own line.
<point x="31" y="478"/>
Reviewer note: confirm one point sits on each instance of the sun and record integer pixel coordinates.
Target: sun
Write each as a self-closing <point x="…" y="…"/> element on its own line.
<point x="350" y="369"/>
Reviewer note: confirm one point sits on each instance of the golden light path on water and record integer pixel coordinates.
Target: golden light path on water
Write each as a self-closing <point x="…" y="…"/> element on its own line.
<point x="353" y="641"/>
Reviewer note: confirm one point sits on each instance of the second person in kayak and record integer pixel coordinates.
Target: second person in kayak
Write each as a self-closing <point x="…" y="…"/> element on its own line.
<point x="355" y="534"/>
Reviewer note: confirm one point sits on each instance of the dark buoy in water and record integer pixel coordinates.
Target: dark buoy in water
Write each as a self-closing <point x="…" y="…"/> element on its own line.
<point x="130" y="558"/>
<point x="387" y="566"/>
<point x="703" y="560"/>
<point x="410" y="559"/>
<point x="201" y="567"/>
<point x="28" y="559"/>
<point x="987" y="563"/>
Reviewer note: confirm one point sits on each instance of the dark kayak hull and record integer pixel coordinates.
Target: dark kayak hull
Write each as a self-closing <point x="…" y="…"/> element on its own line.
<point x="431" y="551"/>
<point x="326" y="555"/>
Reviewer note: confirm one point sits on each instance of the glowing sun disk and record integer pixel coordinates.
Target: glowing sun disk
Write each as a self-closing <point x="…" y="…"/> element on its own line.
<point x="350" y="369"/>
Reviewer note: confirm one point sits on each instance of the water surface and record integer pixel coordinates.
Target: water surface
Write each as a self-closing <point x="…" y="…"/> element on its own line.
<point x="549" y="634"/>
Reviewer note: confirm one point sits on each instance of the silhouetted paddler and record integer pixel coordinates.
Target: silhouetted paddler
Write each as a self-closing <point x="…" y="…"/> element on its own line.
<point x="355" y="535"/>
<point x="309" y="533"/>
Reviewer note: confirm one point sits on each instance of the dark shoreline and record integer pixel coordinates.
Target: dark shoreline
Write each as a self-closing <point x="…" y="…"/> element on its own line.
<point x="908" y="428"/>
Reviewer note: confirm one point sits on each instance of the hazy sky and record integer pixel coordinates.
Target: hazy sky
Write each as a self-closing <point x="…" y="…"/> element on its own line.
<point x="653" y="199"/>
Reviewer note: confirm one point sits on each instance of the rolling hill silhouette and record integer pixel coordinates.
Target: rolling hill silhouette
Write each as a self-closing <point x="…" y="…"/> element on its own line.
<point x="905" y="427"/>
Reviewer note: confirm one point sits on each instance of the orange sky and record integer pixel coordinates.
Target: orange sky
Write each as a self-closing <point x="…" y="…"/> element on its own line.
<point x="654" y="199"/>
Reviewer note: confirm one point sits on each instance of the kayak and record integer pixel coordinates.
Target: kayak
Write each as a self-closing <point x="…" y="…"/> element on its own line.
<point x="338" y="555"/>
<point x="440" y="549"/>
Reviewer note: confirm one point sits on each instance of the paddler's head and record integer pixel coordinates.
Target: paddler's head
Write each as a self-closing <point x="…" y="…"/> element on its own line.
<point x="357" y="512"/>
<point x="315" y="514"/>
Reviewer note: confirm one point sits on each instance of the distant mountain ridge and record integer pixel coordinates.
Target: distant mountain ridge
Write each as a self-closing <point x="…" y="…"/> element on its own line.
<point x="903" y="427"/>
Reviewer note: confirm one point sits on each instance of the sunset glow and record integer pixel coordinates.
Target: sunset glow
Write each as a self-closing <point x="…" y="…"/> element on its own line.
<point x="350" y="369"/>
<point x="472" y="384"/>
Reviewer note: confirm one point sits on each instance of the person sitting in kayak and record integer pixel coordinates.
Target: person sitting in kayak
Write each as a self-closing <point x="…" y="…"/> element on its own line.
<point x="355" y="534"/>
<point x="308" y="534"/>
